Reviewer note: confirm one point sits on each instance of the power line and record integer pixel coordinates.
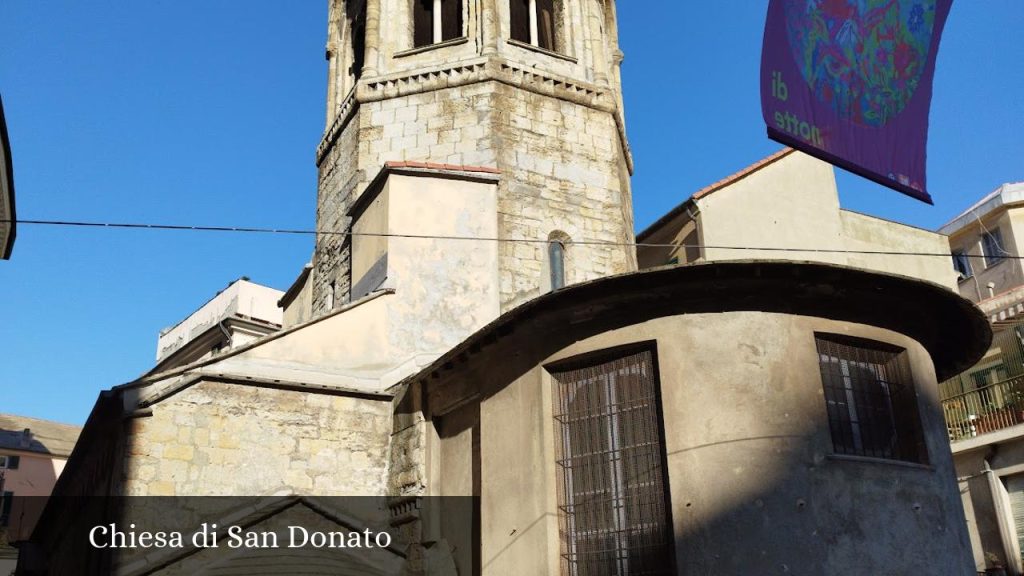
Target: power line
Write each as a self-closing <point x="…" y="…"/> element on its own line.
<point x="349" y="233"/>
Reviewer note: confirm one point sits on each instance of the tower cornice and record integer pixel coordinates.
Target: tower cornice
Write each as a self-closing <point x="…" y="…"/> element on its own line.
<point x="474" y="71"/>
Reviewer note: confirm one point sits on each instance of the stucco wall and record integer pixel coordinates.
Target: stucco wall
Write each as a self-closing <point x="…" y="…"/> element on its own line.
<point x="870" y="234"/>
<point x="1004" y="275"/>
<point x="1000" y="454"/>
<point x="754" y="486"/>
<point x="35" y="475"/>
<point x="299" y="310"/>
<point x="792" y="203"/>
<point x="241" y="297"/>
<point x="221" y="439"/>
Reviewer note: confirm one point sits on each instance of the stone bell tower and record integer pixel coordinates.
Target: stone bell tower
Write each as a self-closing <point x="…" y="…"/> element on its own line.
<point x="526" y="89"/>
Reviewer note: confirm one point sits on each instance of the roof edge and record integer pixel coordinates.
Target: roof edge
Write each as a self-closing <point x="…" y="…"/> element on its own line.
<point x="953" y="330"/>
<point x="5" y="143"/>
<point x="708" y="190"/>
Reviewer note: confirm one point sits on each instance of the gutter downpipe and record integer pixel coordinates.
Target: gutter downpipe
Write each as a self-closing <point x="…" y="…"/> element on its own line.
<point x="224" y="331"/>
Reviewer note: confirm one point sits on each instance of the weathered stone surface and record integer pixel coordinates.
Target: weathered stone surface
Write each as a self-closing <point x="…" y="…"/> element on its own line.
<point x="550" y="123"/>
<point x="216" y="438"/>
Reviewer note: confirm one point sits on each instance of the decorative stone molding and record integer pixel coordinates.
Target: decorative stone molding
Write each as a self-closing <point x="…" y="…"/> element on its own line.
<point x="472" y="72"/>
<point x="345" y="113"/>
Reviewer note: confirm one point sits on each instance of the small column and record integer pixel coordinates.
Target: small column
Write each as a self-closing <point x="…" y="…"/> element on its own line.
<point x="438" y="24"/>
<point x="487" y="12"/>
<point x="372" y="38"/>
<point x="534" y="28"/>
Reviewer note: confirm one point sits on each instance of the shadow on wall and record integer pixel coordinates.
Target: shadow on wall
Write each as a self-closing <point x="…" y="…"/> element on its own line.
<point x="25" y="476"/>
<point x="764" y="494"/>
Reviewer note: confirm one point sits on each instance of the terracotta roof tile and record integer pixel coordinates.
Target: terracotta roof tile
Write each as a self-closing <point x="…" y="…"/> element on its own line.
<point x="437" y="166"/>
<point x="732" y="178"/>
<point x="707" y="190"/>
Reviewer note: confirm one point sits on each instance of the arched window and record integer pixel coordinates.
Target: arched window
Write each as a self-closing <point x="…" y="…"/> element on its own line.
<point x="436" y="21"/>
<point x="533" y="22"/>
<point x="556" y="264"/>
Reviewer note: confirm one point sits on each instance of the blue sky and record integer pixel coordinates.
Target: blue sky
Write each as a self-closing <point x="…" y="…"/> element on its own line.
<point x="209" y="112"/>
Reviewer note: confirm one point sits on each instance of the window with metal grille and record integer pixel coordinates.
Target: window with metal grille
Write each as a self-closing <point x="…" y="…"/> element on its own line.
<point x="992" y="247"/>
<point x="436" y="21"/>
<point x="612" y="496"/>
<point x="869" y="394"/>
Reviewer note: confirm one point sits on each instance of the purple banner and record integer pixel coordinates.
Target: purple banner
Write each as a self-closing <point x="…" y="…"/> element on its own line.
<point x="850" y="82"/>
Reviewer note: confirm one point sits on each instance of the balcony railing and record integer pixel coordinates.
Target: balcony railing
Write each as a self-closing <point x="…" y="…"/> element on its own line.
<point x="984" y="410"/>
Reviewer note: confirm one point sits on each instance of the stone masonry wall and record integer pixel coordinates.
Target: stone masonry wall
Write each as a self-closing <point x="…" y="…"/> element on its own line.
<point x="331" y="259"/>
<point x="218" y="438"/>
<point x="563" y="170"/>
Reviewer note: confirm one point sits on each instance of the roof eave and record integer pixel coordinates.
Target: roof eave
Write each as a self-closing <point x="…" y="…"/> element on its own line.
<point x="8" y="185"/>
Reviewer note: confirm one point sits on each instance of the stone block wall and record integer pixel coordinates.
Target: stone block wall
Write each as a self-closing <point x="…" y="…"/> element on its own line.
<point x="217" y="438"/>
<point x="564" y="170"/>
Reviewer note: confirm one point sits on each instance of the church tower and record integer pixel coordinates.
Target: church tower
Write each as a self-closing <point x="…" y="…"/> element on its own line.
<point x="526" y="92"/>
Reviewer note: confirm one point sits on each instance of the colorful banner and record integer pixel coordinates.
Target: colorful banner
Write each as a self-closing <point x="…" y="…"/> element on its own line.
<point x="850" y="81"/>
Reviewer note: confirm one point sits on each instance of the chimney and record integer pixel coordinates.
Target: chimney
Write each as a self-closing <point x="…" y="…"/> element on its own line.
<point x="26" y="438"/>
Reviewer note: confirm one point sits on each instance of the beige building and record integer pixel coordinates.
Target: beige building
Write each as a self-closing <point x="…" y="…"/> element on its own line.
<point x="241" y="313"/>
<point x="774" y="208"/>
<point x="33" y="453"/>
<point x="984" y="405"/>
<point x="986" y="240"/>
<point x="8" y="226"/>
<point x="473" y="325"/>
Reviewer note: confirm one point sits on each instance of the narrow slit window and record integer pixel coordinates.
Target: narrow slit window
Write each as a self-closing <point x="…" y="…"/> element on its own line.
<point x="556" y="262"/>
<point x="436" y="21"/>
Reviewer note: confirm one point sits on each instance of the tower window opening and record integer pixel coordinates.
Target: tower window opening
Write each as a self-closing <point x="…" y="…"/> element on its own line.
<point x="357" y="27"/>
<point x="533" y="22"/>
<point x="436" y="21"/>
<point x="556" y="261"/>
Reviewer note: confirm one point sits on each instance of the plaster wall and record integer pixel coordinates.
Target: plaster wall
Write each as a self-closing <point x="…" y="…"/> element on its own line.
<point x="1001" y="453"/>
<point x="299" y="310"/>
<point x="223" y="439"/>
<point x="870" y="234"/>
<point x="241" y="297"/>
<point x="793" y="203"/>
<point x="436" y="291"/>
<point x="35" y="475"/>
<point x="749" y="458"/>
<point x="1008" y="273"/>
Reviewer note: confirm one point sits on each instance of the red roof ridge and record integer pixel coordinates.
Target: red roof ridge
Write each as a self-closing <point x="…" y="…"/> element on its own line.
<point x="732" y="178"/>
<point x="438" y="166"/>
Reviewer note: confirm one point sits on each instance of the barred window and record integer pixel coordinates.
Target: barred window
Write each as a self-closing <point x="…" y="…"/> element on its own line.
<point x="612" y="496"/>
<point x="869" y="393"/>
